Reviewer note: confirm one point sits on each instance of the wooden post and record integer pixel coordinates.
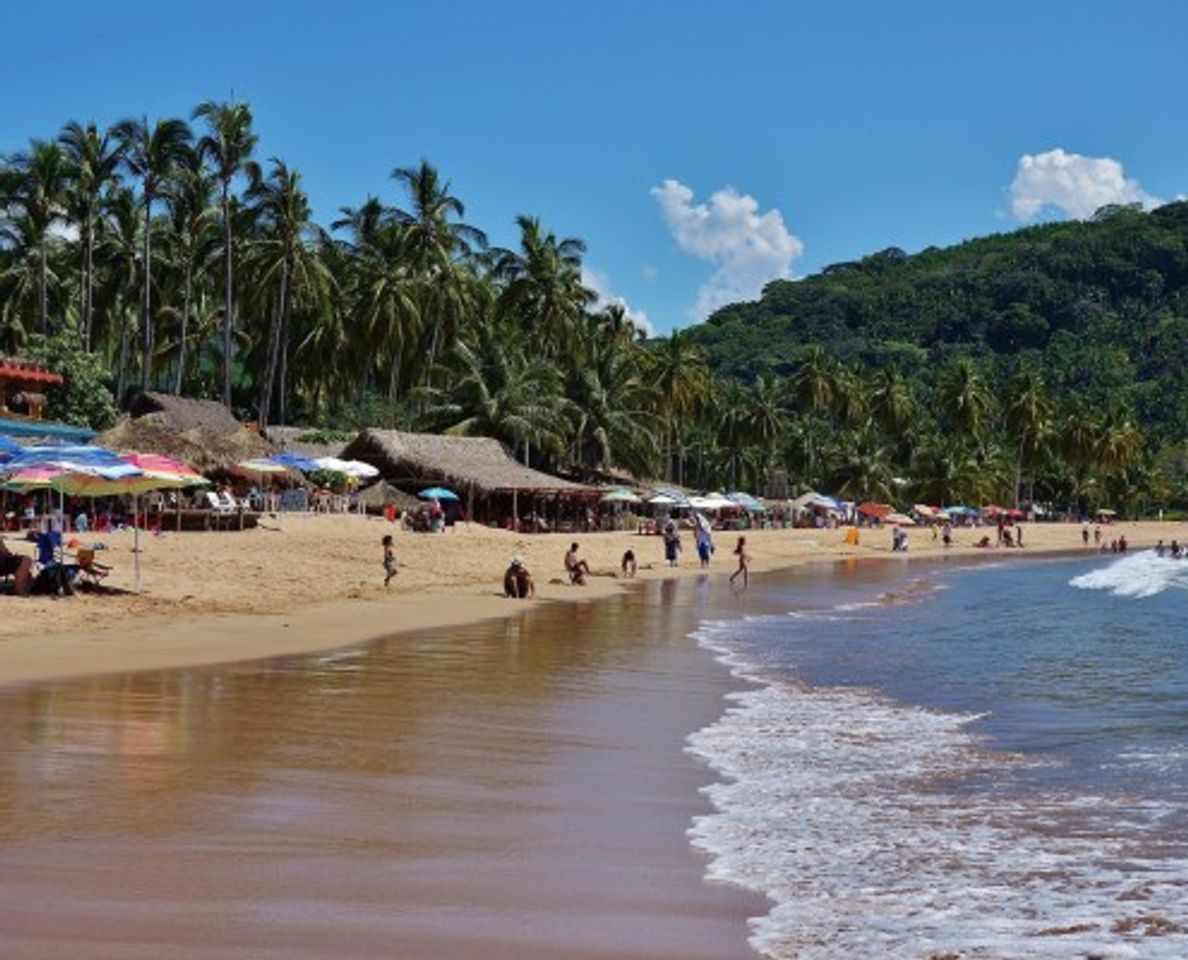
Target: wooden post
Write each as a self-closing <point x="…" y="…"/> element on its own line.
<point x="515" y="511"/>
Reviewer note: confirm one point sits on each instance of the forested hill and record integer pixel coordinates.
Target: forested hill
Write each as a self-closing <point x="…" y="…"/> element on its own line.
<point x="1099" y="308"/>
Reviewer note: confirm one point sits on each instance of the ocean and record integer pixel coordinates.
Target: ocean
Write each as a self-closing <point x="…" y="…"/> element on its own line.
<point x="944" y="760"/>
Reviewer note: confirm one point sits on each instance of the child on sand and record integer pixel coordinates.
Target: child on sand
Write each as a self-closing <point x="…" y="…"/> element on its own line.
<point x="744" y="562"/>
<point x="389" y="559"/>
<point x="629" y="563"/>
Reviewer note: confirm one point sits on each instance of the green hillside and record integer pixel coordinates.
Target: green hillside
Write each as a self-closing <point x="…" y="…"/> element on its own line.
<point x="1098" y="308"/>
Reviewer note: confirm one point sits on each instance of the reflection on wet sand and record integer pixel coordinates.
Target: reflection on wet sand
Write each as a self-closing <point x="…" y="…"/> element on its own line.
<point x="510" y="790"/>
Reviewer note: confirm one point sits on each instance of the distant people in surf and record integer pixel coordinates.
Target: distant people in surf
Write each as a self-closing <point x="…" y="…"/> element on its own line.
<point x="744" y="564"/>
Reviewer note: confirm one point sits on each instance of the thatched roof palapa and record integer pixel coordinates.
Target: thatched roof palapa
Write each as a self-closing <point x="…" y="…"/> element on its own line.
<point x="478" y="462"/>
<point x="184" y="413"/>
<point x="203" y="449"/>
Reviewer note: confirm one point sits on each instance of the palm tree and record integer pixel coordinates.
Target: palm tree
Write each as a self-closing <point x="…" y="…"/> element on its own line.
<point x="544" y="285"/>
<point x="768" y="422"/>
<point x="151" y="152"/>
<point x="37" y="191"/>
<point x="1027" y="414"/>
<point x="892" y="403"/>
<point x="613" y="400"/>
<point x="282" y="256"/>
<point x="814" y="389"/>
<point x="191" y="235"/>
<point x="964" y="398"/>
<point x="437" y="243"/>
<point x="118" y="252"/>
<point x="93" y="158"/>
<point x="676" y="367"/>
<point x="499" y="390"/>
<point x="228" y="144"/>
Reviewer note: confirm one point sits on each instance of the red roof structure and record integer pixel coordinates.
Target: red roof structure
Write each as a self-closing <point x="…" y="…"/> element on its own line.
<point x="24" y="371"/>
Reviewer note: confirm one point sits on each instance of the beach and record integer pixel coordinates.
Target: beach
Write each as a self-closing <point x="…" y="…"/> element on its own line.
<point x="301" y="583"/>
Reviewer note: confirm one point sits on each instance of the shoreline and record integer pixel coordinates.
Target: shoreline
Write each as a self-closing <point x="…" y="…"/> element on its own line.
<point x="161" y="632"/>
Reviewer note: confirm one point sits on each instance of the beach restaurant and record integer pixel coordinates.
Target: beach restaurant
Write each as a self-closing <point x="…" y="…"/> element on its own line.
<point x="491" y="486"/>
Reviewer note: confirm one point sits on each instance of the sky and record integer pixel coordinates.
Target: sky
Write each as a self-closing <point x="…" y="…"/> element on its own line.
<point x="699" y="149"/>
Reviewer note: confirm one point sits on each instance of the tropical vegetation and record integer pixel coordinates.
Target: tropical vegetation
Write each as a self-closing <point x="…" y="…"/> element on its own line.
<point x="175" y="255"/>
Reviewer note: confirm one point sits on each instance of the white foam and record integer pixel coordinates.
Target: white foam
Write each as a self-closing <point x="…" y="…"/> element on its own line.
<point x="856" y="816"/>
<point x="1137" y="575"/>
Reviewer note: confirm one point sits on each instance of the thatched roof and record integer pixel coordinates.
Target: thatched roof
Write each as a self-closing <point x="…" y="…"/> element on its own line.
<point x="203" y="449"/>
<point x="383" y="494"/>
<point x="288" y="438"/>
<point x="183" y="413"/>
<point x="454" y="461"/>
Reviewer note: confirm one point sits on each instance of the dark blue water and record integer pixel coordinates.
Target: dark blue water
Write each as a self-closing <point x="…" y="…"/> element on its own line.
<point x="990" y="761"/>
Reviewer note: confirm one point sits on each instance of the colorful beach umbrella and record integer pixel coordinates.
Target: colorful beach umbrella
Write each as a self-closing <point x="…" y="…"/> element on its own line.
<point x="437" y="493"/>
<point x="261" y="465"/>
<point x="620" y="495"/>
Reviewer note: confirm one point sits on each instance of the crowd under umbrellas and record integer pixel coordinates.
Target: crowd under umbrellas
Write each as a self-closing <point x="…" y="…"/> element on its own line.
<point x="92" y="472"/>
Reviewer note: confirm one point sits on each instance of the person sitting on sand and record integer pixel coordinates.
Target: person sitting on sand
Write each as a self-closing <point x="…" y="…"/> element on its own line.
<point x="19" y="567"/>
<point x="1007" y="539"/>
<point x="629" y="563"/>
<point x="577" y="569"/>
<point x="517" y="581"/>
<point x="983" y="544"/>
<point x="744" y="563"/>
<point x="389" y="558"/>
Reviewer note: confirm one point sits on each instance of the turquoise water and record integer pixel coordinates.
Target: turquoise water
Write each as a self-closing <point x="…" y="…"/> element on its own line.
<point x="989" y="762"/>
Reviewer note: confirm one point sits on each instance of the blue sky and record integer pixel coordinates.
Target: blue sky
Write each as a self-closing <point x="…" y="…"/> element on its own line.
<point x="698" y="148"/>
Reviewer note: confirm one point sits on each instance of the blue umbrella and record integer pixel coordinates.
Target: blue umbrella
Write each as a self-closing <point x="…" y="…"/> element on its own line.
<point x="746" y="501"/>
<point x="294" y="461"/>
<point x="437" y="493"/>
<point x="95" y="461"/>
<point x="8" y="448"/>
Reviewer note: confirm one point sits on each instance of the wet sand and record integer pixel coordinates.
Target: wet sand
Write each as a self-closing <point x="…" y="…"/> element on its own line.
<point x="516" y="789"/>
<point x="302" y="583"/>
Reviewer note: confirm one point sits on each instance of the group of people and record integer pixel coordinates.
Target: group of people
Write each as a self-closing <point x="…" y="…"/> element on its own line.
<point x="1175" y="551"/>
<point x="518" y="582"/>
<point x="1117" y="545"/>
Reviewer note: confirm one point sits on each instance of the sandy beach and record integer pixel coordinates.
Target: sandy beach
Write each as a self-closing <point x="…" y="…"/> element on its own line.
<point x="300" y="583"/>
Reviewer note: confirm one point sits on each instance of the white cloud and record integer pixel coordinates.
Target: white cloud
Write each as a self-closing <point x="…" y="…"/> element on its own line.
<point x="598" y="281"/>
<point x="649" y="272"/>
<point x="1076" y="184"/>
<point x="748" y="248"/>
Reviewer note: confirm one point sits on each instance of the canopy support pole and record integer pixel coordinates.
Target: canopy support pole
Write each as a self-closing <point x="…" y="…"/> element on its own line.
<point x="136" y="537"/>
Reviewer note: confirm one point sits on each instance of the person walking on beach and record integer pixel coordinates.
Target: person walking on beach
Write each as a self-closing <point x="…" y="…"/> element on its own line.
<point x="704" y="540"/>
<point x="389" y="559"/>
<point x="947" y="534"/>
<point x="672" y="543"/>
<point x="1018" y="534"/>
<point x="1085" y="534"/>
<point x="1097" y="536"/>
<point x="744" y="563"/>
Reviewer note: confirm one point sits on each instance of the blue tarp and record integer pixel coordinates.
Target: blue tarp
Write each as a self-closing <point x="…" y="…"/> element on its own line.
<point x="45" y="428"/>
<point x="8" y="448"/>
<point x="678" y="498"/>
<point x="294" y="461"/>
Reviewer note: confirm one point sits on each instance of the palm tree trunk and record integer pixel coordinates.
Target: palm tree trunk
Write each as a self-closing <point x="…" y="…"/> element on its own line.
<point x="227" y="316"/>
<point x="89" y="299"/>
<point x="122" y="366"/>
<point x="179" y="382"/>
<point x="274" y="347"/>
<point x="282" y="407"/>
<point x="1018" y="473"/>
<point x="43" y="289"/>
<point x="82" y="287"/>
<point x="146" y="330"/>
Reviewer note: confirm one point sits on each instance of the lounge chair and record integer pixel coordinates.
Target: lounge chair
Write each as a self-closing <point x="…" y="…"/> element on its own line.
<point x="91" y="570"/>
<point x="216" y="503"/>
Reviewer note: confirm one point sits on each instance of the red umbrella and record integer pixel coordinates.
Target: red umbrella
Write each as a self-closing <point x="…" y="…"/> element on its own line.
<point x="876" y="510"/>
<point x="991" y="508"/>
<point x="1016" y="514"/>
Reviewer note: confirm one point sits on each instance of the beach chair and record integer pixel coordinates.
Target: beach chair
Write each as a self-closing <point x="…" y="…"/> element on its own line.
<point x="91" y="570"/>
<point x="216" y="503"/>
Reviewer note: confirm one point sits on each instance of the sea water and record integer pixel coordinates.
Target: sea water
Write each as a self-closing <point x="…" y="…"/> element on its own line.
<point x="973" y="763"/>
